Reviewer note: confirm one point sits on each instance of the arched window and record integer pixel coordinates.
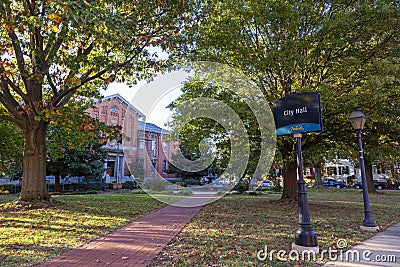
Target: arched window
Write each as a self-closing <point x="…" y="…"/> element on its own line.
<point x="115" y="108"/>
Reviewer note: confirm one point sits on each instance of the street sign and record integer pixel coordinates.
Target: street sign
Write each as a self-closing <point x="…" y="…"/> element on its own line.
<point x="298" y="113"/>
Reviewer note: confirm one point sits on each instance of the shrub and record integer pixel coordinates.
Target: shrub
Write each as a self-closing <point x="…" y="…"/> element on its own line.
<point x="187" y="182"/>
<point x="129" y="185"/>
<point x="138" y="191"/>
<point x="11" y="188"/>
<point x="277" y="187"/>
<point x="4" y="191"/>
<point x="156" y="185"/>
<point x="186" y="192"/>
<point x="241" y="187"/>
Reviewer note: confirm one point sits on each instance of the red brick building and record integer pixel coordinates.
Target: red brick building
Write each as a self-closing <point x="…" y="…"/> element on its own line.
<point x="141" y="148"/>
<point x="158" y="150"/>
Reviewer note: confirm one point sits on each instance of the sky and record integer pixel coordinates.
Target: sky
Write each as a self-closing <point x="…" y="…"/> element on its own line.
<point x="151" y="98"/>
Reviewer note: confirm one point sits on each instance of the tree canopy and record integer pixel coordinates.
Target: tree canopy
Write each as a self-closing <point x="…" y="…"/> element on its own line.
<point x="345" y="50"/>
<point x="52" y="51"/>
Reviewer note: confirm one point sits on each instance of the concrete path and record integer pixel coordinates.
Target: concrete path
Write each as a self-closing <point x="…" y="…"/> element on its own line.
<point x="380" y="250"/>
<point x="137" y="243"/>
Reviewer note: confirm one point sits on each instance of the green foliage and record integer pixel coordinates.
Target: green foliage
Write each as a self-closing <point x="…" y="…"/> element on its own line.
<point x="241" y="187"/>
<point x="86" y="162"/>
<point x="74" y="129"/>
<point x="11" y="142"/>
<point x="205" y="128"/>
<point x="129" y="185"/>
<point x="155" y="184"/>
<point x="190" y="150"/>
<point x="276" y="187"/>
<point x="54" y="51"/>
<point x="189" y="181"/>
<point x="4" y="191"/>
<point x="346" y="51"/>
<point x="137" y="169"/>
<point x="11" y="188"/>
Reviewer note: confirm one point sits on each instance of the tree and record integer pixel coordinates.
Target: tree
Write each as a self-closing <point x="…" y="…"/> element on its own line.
<point x="74" y="142"/>
<point x="54" y="50"/>
<point x="293" y="46"/>
<point x="195" y="129"/>
<point x="11" y="149"/>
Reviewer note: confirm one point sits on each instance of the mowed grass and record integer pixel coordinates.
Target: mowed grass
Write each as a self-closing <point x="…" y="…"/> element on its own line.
<point x="28" y="236"/>
<point x="230" y="231"/>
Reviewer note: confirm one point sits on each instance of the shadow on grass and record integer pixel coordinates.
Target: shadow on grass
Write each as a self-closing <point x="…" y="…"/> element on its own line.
<point x="232" y="230"/>
<point x="31" y="235"/>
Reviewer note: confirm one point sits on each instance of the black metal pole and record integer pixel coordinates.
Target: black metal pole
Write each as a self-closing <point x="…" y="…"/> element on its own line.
<point x="368" y="221"/>
<point x="305" y="235"/>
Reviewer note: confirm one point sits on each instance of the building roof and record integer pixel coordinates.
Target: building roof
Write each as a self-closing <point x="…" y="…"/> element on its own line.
<point x="123" y="100"/>
<point x="151" y="127"/>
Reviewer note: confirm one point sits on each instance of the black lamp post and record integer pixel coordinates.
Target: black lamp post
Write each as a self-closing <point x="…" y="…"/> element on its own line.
<point x="357" y="120"/>
<point x="305" y="238"/>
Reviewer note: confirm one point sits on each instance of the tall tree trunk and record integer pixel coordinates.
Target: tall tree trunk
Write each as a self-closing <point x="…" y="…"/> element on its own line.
<point x="57" y="179"/>
<point x="290" y="181"/>
<point x="370" y="177"/>
<point x="317" y="174"/>
<point x="34" y="164"/>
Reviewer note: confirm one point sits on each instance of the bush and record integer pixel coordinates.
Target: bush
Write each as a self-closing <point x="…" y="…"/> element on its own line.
<point x="187" y="182"/>
<point x="276" y="187"/>
<point x="4" y="191"/>
<point x="11" y="188"/>
<point x="241" y="187"/>
<point x="186" y="192"/>
<point x="156" y="185"/>
<point x="138" y="191"/>
<point x="129" y="185"/>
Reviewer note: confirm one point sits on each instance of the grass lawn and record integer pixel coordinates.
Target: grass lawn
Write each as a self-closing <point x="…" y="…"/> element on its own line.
<point x="230" y="231"/>
<point x="29" y="236"/>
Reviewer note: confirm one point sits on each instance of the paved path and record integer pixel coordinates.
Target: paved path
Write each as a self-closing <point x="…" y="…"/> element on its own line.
<point x="380" y="250"/>
<point x="137" y="243"/>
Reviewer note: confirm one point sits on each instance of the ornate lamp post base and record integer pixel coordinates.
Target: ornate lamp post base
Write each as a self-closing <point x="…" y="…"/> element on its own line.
<point x="301" y="249"/>
<point x="369" y="228"/>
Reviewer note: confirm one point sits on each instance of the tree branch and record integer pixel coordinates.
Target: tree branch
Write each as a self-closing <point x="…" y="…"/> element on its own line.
<point x="11" y="119"/>
<point x="20" y="57"/>
<point x="6" y="81"/>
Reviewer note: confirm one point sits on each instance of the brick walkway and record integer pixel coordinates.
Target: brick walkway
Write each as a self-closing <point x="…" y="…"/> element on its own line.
<point x="137" y="243"/>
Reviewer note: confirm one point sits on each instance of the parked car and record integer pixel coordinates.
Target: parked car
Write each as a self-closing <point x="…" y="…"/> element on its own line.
<point x="333" y="183"/>
<point x="377" y="184"/>
<point x="266" y="183"/>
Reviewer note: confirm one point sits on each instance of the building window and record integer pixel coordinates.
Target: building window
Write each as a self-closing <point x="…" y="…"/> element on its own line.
<point x="115" y="108"/>
<point x="165" y="147"/>
<point x="154" y="147"/>
<point x="142" y="144"/>
<point x="164" y="166"/>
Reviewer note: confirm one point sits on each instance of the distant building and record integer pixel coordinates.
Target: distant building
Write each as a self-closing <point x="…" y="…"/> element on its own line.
<point x="141" y="147"/>
<point x="159" y="150"/>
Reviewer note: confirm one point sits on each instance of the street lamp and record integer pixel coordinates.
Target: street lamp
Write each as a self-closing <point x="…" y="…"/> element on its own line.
<point x="305" y="238"/>
<point x="357" y="120"/>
